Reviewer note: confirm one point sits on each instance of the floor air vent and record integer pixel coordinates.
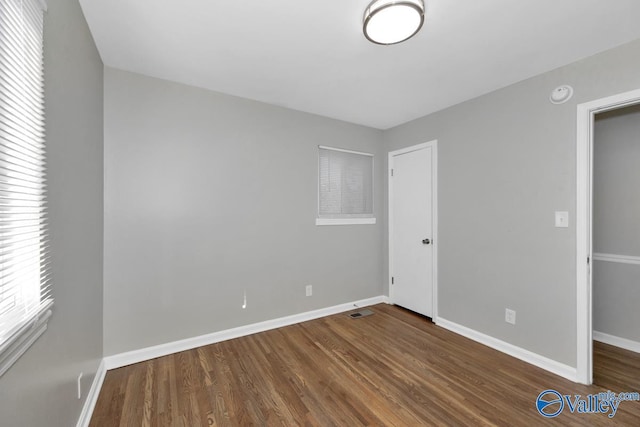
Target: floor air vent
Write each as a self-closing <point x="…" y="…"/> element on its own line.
<point x="361" y="313"/>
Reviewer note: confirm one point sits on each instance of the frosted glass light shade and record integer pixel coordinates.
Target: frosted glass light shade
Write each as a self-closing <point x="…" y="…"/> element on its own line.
<point x="390" y="22"/>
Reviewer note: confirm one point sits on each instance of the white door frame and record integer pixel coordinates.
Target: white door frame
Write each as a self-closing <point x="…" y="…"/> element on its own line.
<point x="434" y="209"/>
<point x="584" y="225"/>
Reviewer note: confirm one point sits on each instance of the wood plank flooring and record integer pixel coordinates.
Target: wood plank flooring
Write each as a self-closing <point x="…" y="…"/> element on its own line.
<point x="393" y="368"/>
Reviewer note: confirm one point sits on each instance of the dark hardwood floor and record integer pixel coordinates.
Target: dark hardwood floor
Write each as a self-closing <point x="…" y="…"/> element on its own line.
<point x="393" y="368"/>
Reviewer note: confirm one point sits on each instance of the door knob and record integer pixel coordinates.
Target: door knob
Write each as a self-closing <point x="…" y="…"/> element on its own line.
<point x="426" y="241"/>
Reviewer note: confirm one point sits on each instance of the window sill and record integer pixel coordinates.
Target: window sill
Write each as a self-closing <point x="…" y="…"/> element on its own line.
<point x="345" y="221"/>
<point x="20" y="342"/>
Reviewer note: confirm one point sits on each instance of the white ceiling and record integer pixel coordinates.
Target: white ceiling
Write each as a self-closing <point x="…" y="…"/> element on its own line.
<point x="311" y="55"/>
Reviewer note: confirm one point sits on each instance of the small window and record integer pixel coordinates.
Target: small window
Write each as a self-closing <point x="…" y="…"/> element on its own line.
<point x="345" y="187"/>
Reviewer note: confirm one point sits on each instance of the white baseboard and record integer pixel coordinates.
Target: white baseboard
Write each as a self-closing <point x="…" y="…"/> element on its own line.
<point x="92" y="397"/>
<point x="135" y="356"/>
<point x="545" y="363"/>
<point x="617" y="341"/>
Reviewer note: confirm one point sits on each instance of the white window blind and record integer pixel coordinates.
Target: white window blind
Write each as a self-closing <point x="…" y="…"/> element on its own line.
<point x="345" y="192"/>
<point x="25" y="299"/>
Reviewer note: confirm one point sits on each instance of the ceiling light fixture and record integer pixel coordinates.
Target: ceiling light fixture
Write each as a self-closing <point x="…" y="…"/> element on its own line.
<point x="390" y="22"/>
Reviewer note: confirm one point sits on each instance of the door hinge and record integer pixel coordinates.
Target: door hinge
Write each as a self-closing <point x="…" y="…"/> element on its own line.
<point x="391" y="172"/>
<point x="392" y="280"/>
<point x="587" y="260"/>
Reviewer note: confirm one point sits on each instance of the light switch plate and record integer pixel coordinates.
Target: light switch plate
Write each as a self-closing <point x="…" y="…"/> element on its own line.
<point x="562" y="219"/>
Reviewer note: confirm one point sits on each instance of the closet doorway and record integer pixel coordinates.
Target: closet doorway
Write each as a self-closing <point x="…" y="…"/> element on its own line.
<point x="591" y="265"/>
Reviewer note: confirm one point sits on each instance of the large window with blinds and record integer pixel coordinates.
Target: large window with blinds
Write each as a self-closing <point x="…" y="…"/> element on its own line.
<point x="345" y="187"/>
<point x="25" y="298"/>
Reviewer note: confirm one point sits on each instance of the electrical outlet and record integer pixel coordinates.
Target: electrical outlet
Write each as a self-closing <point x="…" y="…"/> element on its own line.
<point x="510" y="316"/>
<point x="309" y="290"/>
<point x="80" y="386"/>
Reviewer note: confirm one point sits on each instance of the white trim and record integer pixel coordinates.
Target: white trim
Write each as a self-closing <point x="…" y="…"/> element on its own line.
<point x="617" y="341"/>
<point x="12" y="349"/>
<point x="390" y="246"/>
<point x="22" y="346"/>
<point x="545" y="363"/>
<point x="434" y="231"/>
<point x="92" y="397"/>
<point x="584" y="227"/>
<point x="623" y="259"/>
<point x="416" y="147"/>
<point x="324" y="147"/>
<point x="584" y="357"/>
<point x="344" y="221"/>
<point x="434" y="212"/>
<point x="136" y="356"/>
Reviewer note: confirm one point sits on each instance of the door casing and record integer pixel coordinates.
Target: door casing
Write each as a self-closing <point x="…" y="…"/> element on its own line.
<point x="584" y="225"/>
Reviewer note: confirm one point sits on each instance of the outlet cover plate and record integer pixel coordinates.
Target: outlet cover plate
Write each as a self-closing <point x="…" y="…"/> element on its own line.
<point x="510" y="316"/>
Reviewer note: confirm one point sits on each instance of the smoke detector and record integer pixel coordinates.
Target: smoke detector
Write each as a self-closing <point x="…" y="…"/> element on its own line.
<point x="561" y="94"/>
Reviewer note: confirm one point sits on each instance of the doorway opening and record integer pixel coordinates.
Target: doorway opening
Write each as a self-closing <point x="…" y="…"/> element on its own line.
<point x="584" y="224"/>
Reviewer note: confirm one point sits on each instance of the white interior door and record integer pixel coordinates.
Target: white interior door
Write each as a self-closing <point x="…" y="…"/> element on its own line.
<point x="411" y="237"/>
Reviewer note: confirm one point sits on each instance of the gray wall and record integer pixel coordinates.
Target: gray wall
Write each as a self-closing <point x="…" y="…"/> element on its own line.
<point x="616" y="213"/>
<point x="40" y="389"/>
<point x="506" y="163"/>
<point x="207" y="195"/>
